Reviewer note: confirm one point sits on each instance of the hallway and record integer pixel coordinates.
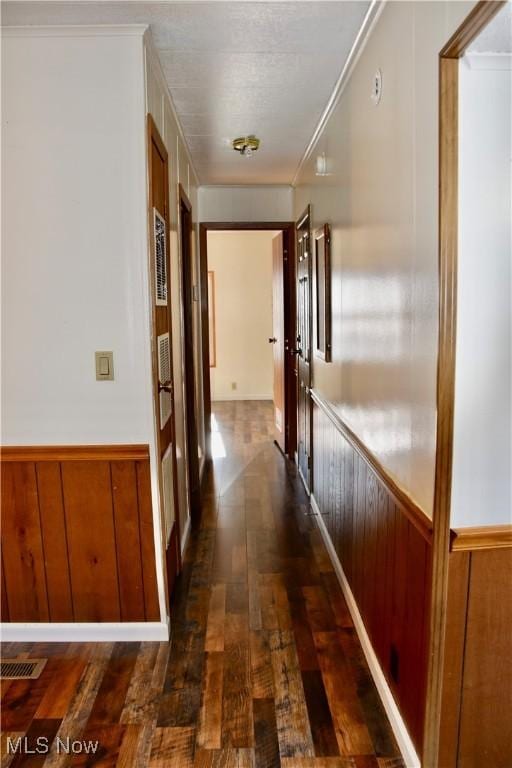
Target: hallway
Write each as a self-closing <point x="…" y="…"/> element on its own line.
<point x="264" y="669"/>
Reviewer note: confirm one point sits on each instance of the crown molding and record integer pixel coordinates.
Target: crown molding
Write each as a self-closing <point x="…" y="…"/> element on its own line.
<point x="77" y="30"/>
<point x="372" y="15"/>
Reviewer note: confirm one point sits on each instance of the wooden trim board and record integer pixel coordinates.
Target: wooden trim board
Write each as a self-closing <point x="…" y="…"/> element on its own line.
<point x="74" y="452"/>
<point x="448" y="246"/>
<point x="481" y="537"/>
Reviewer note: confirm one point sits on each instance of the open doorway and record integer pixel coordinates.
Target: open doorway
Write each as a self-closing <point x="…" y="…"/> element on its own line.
<point x="248" y="292"/>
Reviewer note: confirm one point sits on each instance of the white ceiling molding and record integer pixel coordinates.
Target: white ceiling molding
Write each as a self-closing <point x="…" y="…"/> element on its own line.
<point x="369" y="22"/>
<point x="76" y="30"/>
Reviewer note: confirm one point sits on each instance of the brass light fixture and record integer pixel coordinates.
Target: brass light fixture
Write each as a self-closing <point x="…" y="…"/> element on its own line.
<point x="246" y="145"/>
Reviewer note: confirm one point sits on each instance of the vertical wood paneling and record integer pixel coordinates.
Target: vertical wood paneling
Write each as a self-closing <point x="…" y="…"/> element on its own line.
<point x="53" y="530"/>
<point x="385" y="559"/>
<point x="91" y="540"/>
<point x="485" y="733"/>
<point x="147" y="541"/>
<point x="77" y="536"/>
<point x="126" y="521"/>
<point x="22" y="544"/>
<point x="4" y="616"/>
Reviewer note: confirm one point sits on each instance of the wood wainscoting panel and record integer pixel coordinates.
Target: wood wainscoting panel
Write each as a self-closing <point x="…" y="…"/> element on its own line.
<point x="127" y="532"/>
<point x="485" y="732"/>
<point x="77" y="535"/>
<point x="147" y="541"/>
<point x="385" y="553"/>
<point x="22" y="544"/>
<point x="91" y="540"/>
<point x="55" y="542"/>
<point x="477" y="681"/>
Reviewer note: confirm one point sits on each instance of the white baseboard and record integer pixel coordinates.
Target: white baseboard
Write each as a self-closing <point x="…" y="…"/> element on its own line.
<point x="304" y="483"/>
<point x="90" y="632"/>
<point x="403" y="739"/>
<point x="185" y="537"/>
<point x="229" y="398"/>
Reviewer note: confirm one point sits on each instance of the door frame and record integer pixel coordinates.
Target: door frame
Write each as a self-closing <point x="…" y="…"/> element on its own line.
<point x="288" y="230"/>
<point x="188" y="361"/>
<point x="449" y="57"/>
<point x="153" y="136"/>
<point x="305" y="218"/>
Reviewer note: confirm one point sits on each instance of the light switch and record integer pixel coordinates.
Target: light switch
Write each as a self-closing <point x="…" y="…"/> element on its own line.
<point x="104" y="366"/>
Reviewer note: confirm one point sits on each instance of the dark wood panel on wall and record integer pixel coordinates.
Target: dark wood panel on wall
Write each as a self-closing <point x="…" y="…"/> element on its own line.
<point x="385" y="555"/>
<point x="477" y="685"/>
<point x="77" y="535"/>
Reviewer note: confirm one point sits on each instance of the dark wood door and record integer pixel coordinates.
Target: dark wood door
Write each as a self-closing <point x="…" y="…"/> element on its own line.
<point x="303" y="349"/>
<point x="162" y="350"/>
<point x="278" y="340"/>
<point x="188" y="341"/>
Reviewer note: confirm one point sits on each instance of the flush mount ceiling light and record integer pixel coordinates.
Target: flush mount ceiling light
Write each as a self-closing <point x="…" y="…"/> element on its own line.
<point x="246" y="145"/>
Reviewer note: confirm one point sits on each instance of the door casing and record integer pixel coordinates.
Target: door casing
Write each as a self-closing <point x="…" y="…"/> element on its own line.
<point x="303" y="367"/>
<point x="161" y="322"/>
<point x="187" y="296"/>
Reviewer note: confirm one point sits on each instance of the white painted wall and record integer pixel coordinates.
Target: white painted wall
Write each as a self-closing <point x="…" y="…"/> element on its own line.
<point x="75" y="242"/>
<point x="73" y="239"/>
<point x="242" y="266"/>
<point x="75" y="275"/>
<point x="381" y="202"/>
<point x="482" y="458"/>
<point x="256" y="203"/>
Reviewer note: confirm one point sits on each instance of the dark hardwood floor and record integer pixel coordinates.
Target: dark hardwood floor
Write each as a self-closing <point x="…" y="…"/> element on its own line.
<point x="264" y="668"/>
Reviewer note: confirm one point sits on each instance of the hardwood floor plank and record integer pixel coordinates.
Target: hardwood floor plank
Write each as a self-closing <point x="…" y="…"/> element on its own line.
<point x="113" y="690"/>
<point x="40" y="734"/>
<point x="320" y="718"/>
<point x="216" y="617"/>
<point x="8" y="740"/>
<point x="351" y="730"/>
<point x="293" y="728"/>
<point x="109" y="739"/>
<point x="237" y="716"/>
<point x="74" y="723"/>
<point x="61" y="689"/>
<point x="262" y="679"/>
<point x="173" y="747"/>
<point x="265" y="734"/>
<point x="209" y="731"/>
<point x="216" y="758"/>
<point x="129" y="754"/>
<point x="140" y="703"/>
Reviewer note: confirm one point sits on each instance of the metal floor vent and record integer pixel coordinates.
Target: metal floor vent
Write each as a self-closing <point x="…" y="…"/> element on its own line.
<point x="21" y="669"/>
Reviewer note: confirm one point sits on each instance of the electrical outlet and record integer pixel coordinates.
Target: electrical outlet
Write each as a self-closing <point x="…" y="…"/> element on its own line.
<point x="233" y="385"/>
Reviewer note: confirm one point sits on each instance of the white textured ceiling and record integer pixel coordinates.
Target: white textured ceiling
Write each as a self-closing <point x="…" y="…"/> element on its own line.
<point x="496" y="37"/>
<point x="233" y="68"/>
